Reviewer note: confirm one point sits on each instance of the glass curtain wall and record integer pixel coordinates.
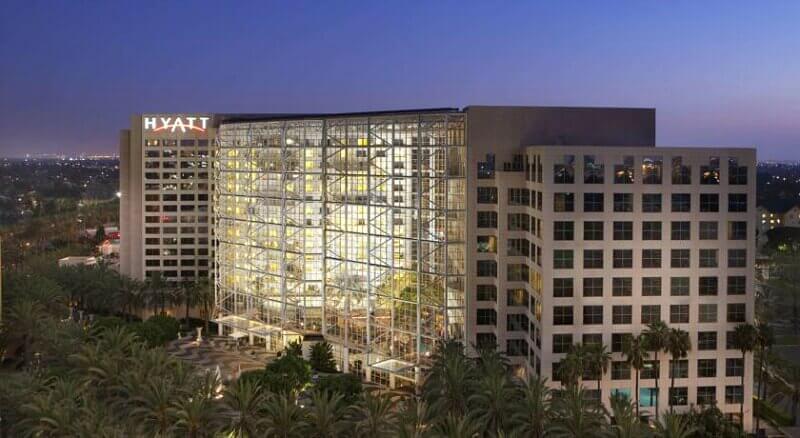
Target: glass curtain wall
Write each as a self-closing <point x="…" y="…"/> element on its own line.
<point x="348" y="227"/>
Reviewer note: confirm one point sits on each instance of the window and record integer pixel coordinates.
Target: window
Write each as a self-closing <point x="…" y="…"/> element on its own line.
<point x="734" y="367"/>
<point x="709" y="174"/>
<point x="486" y="340"/>
<point x="486" y="168"/>
<point x="651" y="202"/>
<point x="487" y="268"/>
<point x="730" y="340"/>
<point x="562" y="315"/>
<point x="593" y="230"/>
<point x="651" y="286"/>
<point x="623" y="202"/>
<point x="592" y="259"/>
<point x="519" y="197"/>
<point x="563" y="230"/>
<point x="562" y="287"/>
<point x="736" y="312"/>
<point x="708" y="231"/>
<point x="651" y="258"/>
<point x="623" y="230"/>
<point x="623" y="173"/>
<point x="709" y="202"/>
<point x="564" y="172"/>
<point x="651" y="170"/>
<point x="737" y="258"/>
<point x="486" y="292"/>
<point x="623" y="258"/>
<point x="651" y="370"/>
<point x="708" y="258"/>
<point x="487" y="195"/>
<point x="622" y="314"/>
<point x="708" y="286"/>
<point x="516" y="347"/>
<point x="592" y="315"/>
<point x="563" y="202"/>
<point x="737" y="285"/>
<point x="679" y="286"/>
<point x="680" y="174"/>
<point x="679" y="369"/>
<point x="593" y="287"/>
<point x="681" y="230"/>
<point x="516" y="322"/>
<point x="487" y="219"/>
<point x="620" y="370"/>
<point x="679" y="314"/>
<point x="562" y="343"/>
<point x="622" y="286"/>
<point x="651" y="313"/>
<point x="706" y="340"/>
<point x="737" y="230"/>
<point x="737" y="175"/>
<point x="592" y="202"/>
<point x="706" y="395"/>
<point x="707" y="313"/>
<point x="592" y="339"/>
<point x="517" y="272"/>
<point x="562" y="259"/>
<point x="681" y="202"/>
<point x="518" y="247"/>
<point x="737" y="202"/>
<point x="487" y="244"/>
<point x="592" y="170"/>
<point x="519" y="222"/>
<point x="651" y="230"/>
<point x="486" y="317"/>
<point x="707" y="368"/>
<point x="618" y="341"/>
<point x="679" y="396"/>
<point x="679" y="258"/>
<point x="517" y="297"/>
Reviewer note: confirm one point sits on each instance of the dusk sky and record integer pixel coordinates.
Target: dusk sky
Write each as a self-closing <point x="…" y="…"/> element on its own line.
<point x="723" y="73"/>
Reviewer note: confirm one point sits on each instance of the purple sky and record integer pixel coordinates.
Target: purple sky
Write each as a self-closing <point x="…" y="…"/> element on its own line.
<point x="718" y="73"/>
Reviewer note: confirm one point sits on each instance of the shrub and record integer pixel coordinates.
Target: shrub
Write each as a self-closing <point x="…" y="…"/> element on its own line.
<point x="157" y="330"/>
<point x="349" y="385"/>
<point x="104" y="323"/>
<point x="322" y="358"/>
<point x="287" y="374"/>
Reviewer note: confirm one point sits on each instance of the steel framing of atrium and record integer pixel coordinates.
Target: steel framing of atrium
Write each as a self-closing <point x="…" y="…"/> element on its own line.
<point x="352" y="227"/>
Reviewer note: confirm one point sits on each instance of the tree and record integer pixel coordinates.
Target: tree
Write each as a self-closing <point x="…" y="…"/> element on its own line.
<point x="288" y="374"/>
<point x="678" y="345"/>
<point x="415" y="420"/>
<point x="322" y="357"/>
<point x="656" y="338"/>
<point x="530" y="418"/>
<point x="24" y="322"/>
<point x="574" y="416"/>
<point x="744" y="339"/>
<point x="598" y="360"/>
<point x="764" y="340"/>
<point x="450" y="380"/>
<point x="205" y="299"/>
<point x="283" y="417"/>
<point x="243" y="401"/>
<point x="100" y="234"/>
<point x="635" y="351"/>
<point x="574" y="365"/>
<point x="374" y="415"/>
<point x="674" y="426"/>
<point x="453" y="426"/>
<point x="326" y="416"/>
<point x="626" y="422"/>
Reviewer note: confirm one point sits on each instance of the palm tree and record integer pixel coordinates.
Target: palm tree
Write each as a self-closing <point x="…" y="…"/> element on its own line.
<point x="744" y="338"/>
<point x="626" y="422"/>
<point x="374" y="415"/>
<point x="326" y="416"/>
<point x="491" y="401"/>
<point x="574" y="416"/>
<point x="195" y="416"/>
<point x="656" y="339"/>
<point x="450" y="380"/>
<point x="573" y="365"/>
<point x="765" y="338"/>
<point x="453" y="426"/>
<point x="153" y="406"/>
<point x="131" y="296"/>
<point x="284" y="418"/>
<point x="678" y="345"/>
<point x="415" y="420"/>
<point x="635" y="351"/>
<point x="205" y="299"/>
<point x="24" y="316"/>
<point x="530" y="417"/>
<point x="674" y="426"/>
<point x="189" y="294"/>
<point x="243" y="401"/>
<point x="598" y="360"/>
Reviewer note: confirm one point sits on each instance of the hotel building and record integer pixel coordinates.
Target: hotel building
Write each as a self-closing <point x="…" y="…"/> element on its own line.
<point x="523" y="227"/>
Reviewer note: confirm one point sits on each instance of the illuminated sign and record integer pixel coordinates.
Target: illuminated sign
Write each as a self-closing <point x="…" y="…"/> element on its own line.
<point x="170" y="124"/>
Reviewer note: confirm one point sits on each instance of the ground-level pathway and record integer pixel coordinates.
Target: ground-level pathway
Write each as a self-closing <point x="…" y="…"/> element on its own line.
<point x="219" y="351"/>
